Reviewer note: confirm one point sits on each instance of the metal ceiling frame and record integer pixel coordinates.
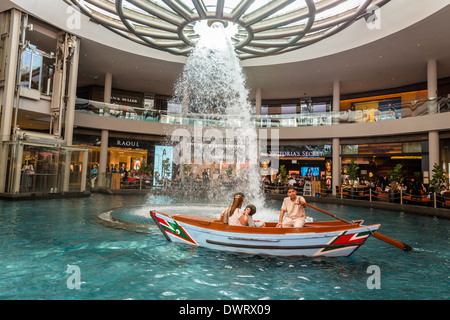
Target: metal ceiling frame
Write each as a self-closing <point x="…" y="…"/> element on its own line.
<point x="169" y="24"/>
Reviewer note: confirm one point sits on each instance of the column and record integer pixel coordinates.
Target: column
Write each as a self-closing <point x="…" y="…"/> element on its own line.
<point x="336" y="165"/>
<point x="9" y="92"/>
<point x="72" y="93"/>
<point x="433" y="149"/>
<point x="432" y="86"/>
<point x="258" y="101"/>
<point x="17" y="168"/>
<point x="84" y="171"/>
<point x="105" y="134"/>
<point x="108" y="88"/>
<point x="103" y="159"/>
<point x="10" y="75"/>
<point x="336" y="107"/>
<point x="70" y="111"/>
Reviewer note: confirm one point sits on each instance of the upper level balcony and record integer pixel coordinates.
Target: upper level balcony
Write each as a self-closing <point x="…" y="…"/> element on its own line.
<point x="139" y="116"/>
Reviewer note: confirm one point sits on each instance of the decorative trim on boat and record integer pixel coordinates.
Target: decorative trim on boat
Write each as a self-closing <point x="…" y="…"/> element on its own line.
<point x="251" y="246"/>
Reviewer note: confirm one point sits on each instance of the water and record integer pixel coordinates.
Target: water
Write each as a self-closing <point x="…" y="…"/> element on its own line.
<point x="40" y="239"/>
<point x="212" y="83"/>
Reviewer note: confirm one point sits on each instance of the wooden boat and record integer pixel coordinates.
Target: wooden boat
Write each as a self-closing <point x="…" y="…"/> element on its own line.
<point x="328" y="238"/>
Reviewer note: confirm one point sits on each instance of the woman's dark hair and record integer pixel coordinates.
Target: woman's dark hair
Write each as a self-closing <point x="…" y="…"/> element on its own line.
<point x="252" y="209"/>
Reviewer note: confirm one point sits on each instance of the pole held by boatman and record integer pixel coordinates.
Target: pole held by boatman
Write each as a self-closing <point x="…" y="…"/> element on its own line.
<point x="295" y="207"/>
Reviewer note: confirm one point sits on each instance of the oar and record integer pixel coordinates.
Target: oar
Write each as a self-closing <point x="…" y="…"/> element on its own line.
<point x="376" y="234"/>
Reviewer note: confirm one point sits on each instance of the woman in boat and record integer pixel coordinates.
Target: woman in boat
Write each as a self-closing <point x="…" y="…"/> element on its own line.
<point x="232" y="214"/>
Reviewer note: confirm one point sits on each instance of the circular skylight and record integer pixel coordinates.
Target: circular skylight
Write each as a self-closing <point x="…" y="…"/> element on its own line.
<point x="256" y="27"/>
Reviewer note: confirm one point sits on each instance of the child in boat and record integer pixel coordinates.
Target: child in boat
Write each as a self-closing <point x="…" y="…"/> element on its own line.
<point x="249" y="211"/>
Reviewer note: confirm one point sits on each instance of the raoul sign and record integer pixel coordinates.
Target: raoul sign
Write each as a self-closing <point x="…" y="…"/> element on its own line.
<point x="126" y="143"/>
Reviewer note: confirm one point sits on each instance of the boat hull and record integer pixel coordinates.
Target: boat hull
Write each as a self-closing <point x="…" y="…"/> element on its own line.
<point x="329" y="239"/>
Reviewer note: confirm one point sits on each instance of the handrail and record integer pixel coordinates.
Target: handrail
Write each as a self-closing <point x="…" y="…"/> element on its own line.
<point x="409" y="109"/>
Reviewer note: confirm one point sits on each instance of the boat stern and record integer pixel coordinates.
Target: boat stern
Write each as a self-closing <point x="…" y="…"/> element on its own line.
<point x="347" y="242"/>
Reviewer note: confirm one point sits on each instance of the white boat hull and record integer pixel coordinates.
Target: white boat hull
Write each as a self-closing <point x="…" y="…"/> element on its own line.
<point x="341" y="243"/>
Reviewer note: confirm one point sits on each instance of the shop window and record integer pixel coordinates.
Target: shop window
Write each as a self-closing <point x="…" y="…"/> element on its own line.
<point x="319" y="107"/>
<point x="288" y="109"/>
<point x="25" y="69"/>
<point x="265" y="109"/>
<point x="349" y="149"/>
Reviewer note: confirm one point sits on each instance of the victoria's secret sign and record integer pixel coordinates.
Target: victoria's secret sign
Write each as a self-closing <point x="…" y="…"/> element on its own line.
<point x="304" y="154"/>
<point x="318" y="151"/>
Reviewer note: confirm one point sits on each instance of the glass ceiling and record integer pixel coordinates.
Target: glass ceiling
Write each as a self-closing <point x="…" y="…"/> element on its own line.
<point x="256" y="27"/>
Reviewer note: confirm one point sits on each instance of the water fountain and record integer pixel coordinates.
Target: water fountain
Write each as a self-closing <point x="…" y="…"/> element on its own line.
<point x="213" y="83"/>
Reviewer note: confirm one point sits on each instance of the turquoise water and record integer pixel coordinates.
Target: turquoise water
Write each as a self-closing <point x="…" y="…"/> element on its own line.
<point x="40" y="240"/>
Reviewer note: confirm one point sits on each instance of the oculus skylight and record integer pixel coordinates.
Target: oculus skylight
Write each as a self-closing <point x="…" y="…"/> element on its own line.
<point x="256" y="27"/>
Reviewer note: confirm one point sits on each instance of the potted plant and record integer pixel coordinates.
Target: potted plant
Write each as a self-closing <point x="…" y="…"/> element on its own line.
<point x="396" y="177"/>
<point x="437" y="177"/>
<point x="352" y="171"/>
<point x="283" y="177"/>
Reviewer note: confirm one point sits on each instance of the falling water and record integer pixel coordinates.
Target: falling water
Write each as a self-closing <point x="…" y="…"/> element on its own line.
<point x="213" y="83"/>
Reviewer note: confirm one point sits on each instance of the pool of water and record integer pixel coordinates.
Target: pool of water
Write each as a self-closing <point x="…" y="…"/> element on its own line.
<point x="41" y="242"/>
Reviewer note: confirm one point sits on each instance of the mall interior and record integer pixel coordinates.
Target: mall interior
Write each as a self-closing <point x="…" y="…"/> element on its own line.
<point x="88" y="84"/>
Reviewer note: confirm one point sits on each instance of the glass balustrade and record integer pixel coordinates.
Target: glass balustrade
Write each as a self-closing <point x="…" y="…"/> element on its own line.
<point x="405" y="110"/>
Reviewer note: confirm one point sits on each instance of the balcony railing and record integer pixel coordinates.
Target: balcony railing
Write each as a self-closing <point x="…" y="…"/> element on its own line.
<point x="405" y="110"/>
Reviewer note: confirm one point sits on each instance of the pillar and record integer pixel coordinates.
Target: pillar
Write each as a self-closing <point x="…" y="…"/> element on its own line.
<point x="103" y="158"/>
<point x="258" y="101"/>
<point x="336" y="165"/>
<point x="72" y="93"/>
<point x="17" y="174"/>
<point x="9" y="92"/>
<point x="84" y="171"/>
<point x="433" y="149"/>
<point x="70" y="111"/>
<point x="105" y="134"/>
<point x="10" y="75"/>
<point x="108" y="88"/>
<point x="336" y="106"/>
<point x="432" y="86"/>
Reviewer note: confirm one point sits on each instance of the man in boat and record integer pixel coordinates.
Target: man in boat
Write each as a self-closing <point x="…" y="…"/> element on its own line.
<point x="295" y="207"/>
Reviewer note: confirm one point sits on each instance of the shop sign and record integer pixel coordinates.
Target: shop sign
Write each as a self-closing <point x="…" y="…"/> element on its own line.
<point x="301" y="154"/>
<point x="319" y="151"/>
<point x="124" y="99"/>
<point x="387" y="148"/>
<point x="125" y="143"/>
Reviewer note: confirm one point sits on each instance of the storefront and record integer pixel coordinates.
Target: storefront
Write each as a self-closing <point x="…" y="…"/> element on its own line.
<point x="128" y="154"/>
<point x="375" y="160"/>
<point x="301" y="161"/>
<point x="445" y="152"/>
<point x="38" y="168"/>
